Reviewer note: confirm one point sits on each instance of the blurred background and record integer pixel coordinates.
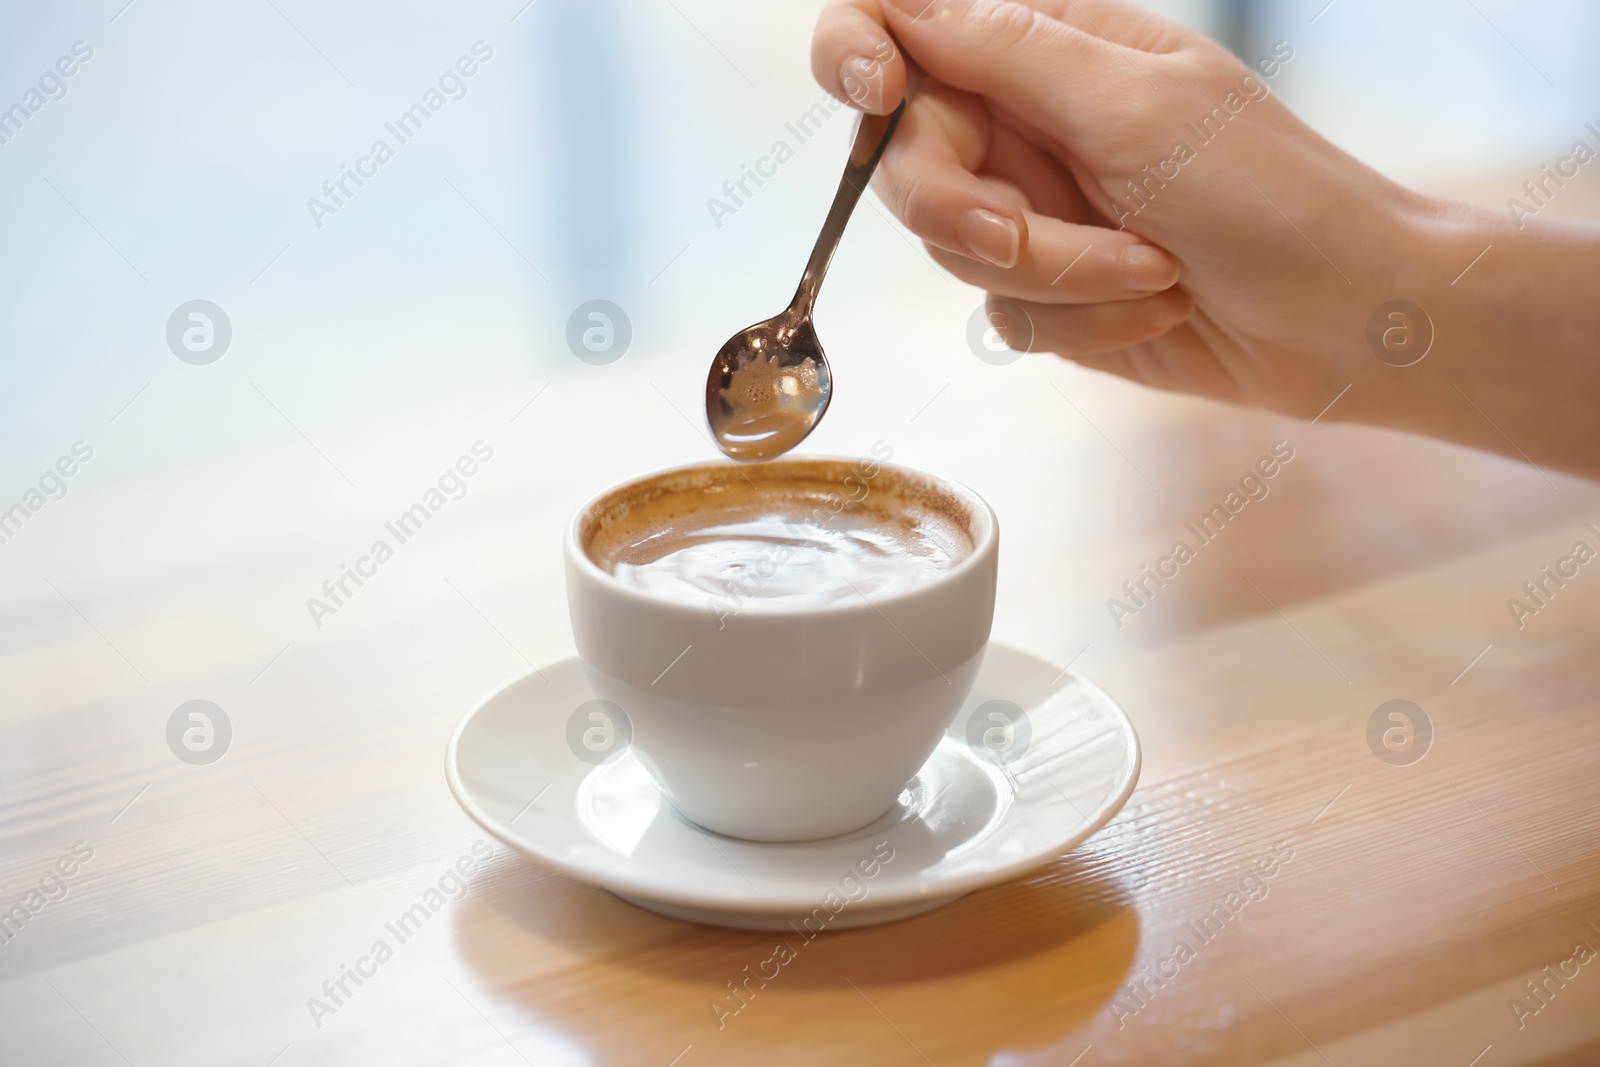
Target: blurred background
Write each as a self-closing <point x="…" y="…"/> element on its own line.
<point x="577" y="165"/>
<point x="574" y="151"/>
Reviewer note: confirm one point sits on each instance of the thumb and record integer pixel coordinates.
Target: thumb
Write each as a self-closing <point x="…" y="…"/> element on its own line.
<point x="1050" y="73"/>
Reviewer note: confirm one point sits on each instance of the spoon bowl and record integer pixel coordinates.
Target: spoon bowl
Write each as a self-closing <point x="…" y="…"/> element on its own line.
<point x="768" y="387"/>
<point x="770" y="384"/>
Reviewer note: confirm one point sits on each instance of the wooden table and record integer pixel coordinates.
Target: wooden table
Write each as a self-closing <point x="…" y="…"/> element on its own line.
<point x="1407" y="906"/>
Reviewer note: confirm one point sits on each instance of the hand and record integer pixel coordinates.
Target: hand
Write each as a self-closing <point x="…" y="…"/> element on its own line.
<point x="1074" y="156"/>
<point x="1068" y="118"/>
<point x="994" y="207"/>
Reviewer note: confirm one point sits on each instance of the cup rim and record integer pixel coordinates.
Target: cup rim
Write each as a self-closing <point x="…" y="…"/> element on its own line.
<point x="984" y="542"/>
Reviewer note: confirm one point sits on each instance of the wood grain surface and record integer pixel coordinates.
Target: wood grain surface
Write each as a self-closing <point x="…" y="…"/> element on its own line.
<point x="1406" y="908"/>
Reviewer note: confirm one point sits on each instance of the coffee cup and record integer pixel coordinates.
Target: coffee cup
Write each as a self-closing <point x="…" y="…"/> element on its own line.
<point x="784" y="718"/>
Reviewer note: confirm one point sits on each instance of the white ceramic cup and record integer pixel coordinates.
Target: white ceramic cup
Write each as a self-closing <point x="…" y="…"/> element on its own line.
<point x="778" y="723"/>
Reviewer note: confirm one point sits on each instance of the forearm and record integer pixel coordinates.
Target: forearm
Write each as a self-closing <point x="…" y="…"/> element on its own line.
<point x="1515" y="360"/>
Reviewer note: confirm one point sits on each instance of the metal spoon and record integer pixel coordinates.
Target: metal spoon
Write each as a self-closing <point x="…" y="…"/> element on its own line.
<point x="770" y="383"/>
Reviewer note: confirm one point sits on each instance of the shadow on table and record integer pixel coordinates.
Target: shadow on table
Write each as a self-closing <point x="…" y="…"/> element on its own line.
<point x="1016" y="966"/>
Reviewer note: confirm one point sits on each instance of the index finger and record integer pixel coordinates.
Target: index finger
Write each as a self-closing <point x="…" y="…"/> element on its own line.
<point x="854" y="57"/>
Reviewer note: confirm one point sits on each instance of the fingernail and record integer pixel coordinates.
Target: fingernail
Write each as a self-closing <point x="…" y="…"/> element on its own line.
<point x="862" y="81"/>
<point x="990" y="237"/>
<point x="1145" y="270"/>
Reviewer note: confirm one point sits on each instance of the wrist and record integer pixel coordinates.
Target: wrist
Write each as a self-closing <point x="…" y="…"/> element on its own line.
<point x="1511" y="310"/>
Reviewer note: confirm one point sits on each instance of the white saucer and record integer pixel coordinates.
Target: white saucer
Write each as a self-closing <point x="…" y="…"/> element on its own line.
<point x="962" y="823"/>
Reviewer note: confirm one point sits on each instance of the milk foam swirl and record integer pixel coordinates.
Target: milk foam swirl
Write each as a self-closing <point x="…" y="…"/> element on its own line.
<point x="792" y="560"/>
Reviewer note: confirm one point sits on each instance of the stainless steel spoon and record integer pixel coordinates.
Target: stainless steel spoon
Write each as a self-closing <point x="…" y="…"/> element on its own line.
<point x="770" y="384"/>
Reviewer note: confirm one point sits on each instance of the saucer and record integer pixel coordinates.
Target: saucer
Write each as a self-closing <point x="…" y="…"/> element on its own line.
<point x="970" y="817"/>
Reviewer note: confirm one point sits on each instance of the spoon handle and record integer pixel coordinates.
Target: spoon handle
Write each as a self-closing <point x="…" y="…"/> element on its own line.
<point x="872" y="137"/>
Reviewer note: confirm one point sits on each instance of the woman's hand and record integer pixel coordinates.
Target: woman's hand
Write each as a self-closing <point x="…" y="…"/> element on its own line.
<point x="1077" y="158"/>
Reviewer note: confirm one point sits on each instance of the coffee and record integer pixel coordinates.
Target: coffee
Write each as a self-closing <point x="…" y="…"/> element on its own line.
<point x="794" y="533"/>
<point x="792" y="709"/>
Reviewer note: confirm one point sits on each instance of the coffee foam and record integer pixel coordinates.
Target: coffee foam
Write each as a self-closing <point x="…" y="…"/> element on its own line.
<point x="812" y="499"/>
